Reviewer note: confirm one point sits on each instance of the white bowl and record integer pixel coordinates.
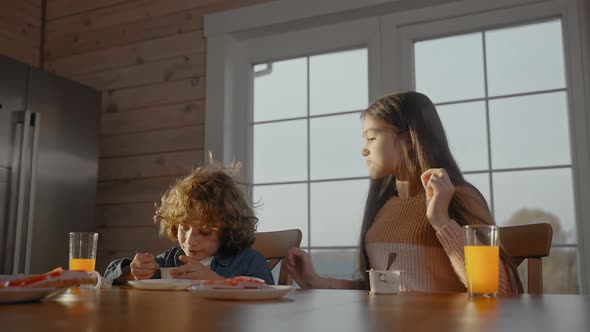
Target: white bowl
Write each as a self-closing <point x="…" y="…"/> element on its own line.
<point x="165" y="272"/>
<point x="386" y="282"/>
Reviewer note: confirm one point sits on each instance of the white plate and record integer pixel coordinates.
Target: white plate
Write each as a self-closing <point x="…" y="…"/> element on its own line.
<point x="20" y="294"/>
<point x="163" y="284"/>
<point x="274" y="292"/>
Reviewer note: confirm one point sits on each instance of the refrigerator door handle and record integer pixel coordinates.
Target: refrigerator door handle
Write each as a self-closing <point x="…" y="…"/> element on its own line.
<point x="35" y="123"/>
<point x="11" y="226"/>
<point x="21" y="170"/>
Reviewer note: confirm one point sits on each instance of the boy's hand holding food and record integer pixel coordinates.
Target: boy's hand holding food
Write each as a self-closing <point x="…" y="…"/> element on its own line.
<point x="143" y="266"/>
<point x="193" y="269"/>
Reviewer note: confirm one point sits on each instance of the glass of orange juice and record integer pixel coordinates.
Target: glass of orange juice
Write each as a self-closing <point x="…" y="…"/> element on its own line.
<point x="83" y="251"/>
<point x="482" y="259"/>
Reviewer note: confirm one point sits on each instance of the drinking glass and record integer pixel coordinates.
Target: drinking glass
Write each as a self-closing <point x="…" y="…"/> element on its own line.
<point x="83" y="251"/>
<point x="482" y="259"/>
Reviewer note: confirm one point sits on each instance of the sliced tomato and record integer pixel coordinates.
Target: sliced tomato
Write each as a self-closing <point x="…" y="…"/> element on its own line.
<point x="27" y="281"/>
<point x="249" y="279"/>
<point x="33" y="279"/>
<point x="220" y="282"/>
<point x="55" y="272"/>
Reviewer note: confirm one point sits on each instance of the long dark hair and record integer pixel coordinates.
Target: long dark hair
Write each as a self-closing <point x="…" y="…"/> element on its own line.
<point x="413" y="117"/>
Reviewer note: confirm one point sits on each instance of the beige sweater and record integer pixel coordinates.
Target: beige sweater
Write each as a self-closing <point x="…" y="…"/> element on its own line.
<point x="433" y="261"/>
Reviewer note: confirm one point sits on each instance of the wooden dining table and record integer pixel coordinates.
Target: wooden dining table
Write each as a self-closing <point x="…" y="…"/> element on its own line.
<point x="127" y="309"/>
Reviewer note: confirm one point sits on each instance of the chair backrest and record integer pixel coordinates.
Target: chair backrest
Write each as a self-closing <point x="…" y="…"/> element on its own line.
<point x="530" y="242"/>
<point x="274" y="247"/>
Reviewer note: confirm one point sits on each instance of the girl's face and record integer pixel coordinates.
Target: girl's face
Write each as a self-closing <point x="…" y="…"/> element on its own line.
<point x="382" y="150"/>
<point x="196" y="242"/>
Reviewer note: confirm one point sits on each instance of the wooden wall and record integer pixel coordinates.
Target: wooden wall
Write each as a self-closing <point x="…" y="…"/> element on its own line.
<point x="148" y="58"/>
<point x="20" y="30"/>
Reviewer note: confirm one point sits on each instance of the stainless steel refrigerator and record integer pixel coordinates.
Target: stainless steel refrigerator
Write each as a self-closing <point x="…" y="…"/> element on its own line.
<point x="49" y="144"/>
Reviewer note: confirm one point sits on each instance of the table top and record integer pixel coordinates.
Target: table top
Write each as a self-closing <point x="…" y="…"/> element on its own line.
<point x="123" y="308"/>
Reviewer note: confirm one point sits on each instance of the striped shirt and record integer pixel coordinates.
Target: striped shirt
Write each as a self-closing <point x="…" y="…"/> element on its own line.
<point x="433" y="261"/>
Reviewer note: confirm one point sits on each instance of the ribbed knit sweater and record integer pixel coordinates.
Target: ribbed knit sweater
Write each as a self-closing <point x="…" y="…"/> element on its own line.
<point x="432" y="261"/>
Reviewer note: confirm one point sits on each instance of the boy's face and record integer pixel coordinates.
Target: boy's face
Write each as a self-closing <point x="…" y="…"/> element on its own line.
<point x="197" y="243"/>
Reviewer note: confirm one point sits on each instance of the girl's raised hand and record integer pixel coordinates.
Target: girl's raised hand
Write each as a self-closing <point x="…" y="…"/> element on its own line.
<point x="193" y="269"/>
<point x="439" y="192"/>
<point x="143" y="266"/>
<point x="300" y="267"/>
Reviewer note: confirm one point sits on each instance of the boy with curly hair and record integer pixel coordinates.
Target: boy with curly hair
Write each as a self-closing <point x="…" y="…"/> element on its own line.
<point x="213" y="223"/>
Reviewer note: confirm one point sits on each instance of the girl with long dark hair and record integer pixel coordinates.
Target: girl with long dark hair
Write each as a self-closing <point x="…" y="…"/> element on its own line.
<point x="417" y="202"/>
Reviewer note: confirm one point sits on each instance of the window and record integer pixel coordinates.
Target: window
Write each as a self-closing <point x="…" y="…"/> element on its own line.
<point x="307" y="171"/>
<point x="502" y="97"/>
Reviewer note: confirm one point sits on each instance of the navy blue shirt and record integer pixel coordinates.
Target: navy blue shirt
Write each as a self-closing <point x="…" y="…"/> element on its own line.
<point x="247" y="262"/>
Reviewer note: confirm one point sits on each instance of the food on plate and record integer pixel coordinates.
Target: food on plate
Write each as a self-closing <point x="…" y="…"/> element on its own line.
<point x="241" y="282"/>
<point x="58" y="278"/>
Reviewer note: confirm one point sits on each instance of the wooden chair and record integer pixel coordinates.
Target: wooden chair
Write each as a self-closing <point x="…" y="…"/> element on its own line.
<point x="530" y="242"/>
<point x="274" y="247"/>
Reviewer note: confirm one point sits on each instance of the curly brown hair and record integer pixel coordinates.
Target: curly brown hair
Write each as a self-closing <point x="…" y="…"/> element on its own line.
<point x="209" y="198"/>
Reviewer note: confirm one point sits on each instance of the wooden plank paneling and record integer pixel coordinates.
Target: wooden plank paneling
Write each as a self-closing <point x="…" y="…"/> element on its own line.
<point x="37" y="3"/>
<point x="19" y="51"/>
<point x="141" y="239"/>
<point x="157" y="94"/>
<point x="136" y="10"/>
<point x="20" y="11"/>
<point x="27" y="34"/>
<point x="175" y="139"/>
<point x="161" y="164"/>
<point x="148" y="58"/>
<point x="60" y="8"/>
<point x="125" y="215"/>
<point x="117" y="14"/>
<point x="156" y="27"/>
<point x="105" y="255"/>
<point x="128" y="55"/>
<point x="151" y="118"/>
<point x="17" y="28"/>
<point x="185" y="66"/>
<point x="133" y="191"/>
<point x="116" y="243"/>
<point x="20" y="31"/>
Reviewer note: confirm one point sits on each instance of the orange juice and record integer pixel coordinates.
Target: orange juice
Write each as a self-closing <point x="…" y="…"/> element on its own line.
<point x="482" y="266"/>
<point x="82" y="264"/>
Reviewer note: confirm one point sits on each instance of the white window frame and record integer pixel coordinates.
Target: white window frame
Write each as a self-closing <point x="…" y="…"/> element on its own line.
<point x="408" y="33"/>
<point x="238" y="38"/>
<point x="235" y="121"/>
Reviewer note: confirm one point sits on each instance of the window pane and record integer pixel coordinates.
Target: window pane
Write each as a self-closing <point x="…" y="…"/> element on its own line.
<point x="337" y="212"/>
<point x="525" y="58"/>
<point x="340" y="264"/>
<point x="280" y="151"/>
<point x="276" y="272"/>
<point x="281" y="207"/>
<point x="560" y="272"/>
<point x="451" y="68"/>
<point x="466" y="129"/>
<point x="280" y="90"/>
<point x="335" y="147"/>
<point x="540" y="196"/>
<point x="530" y="131"/>
<point x="338" y="82"/>
<point x="482" y="183"/>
